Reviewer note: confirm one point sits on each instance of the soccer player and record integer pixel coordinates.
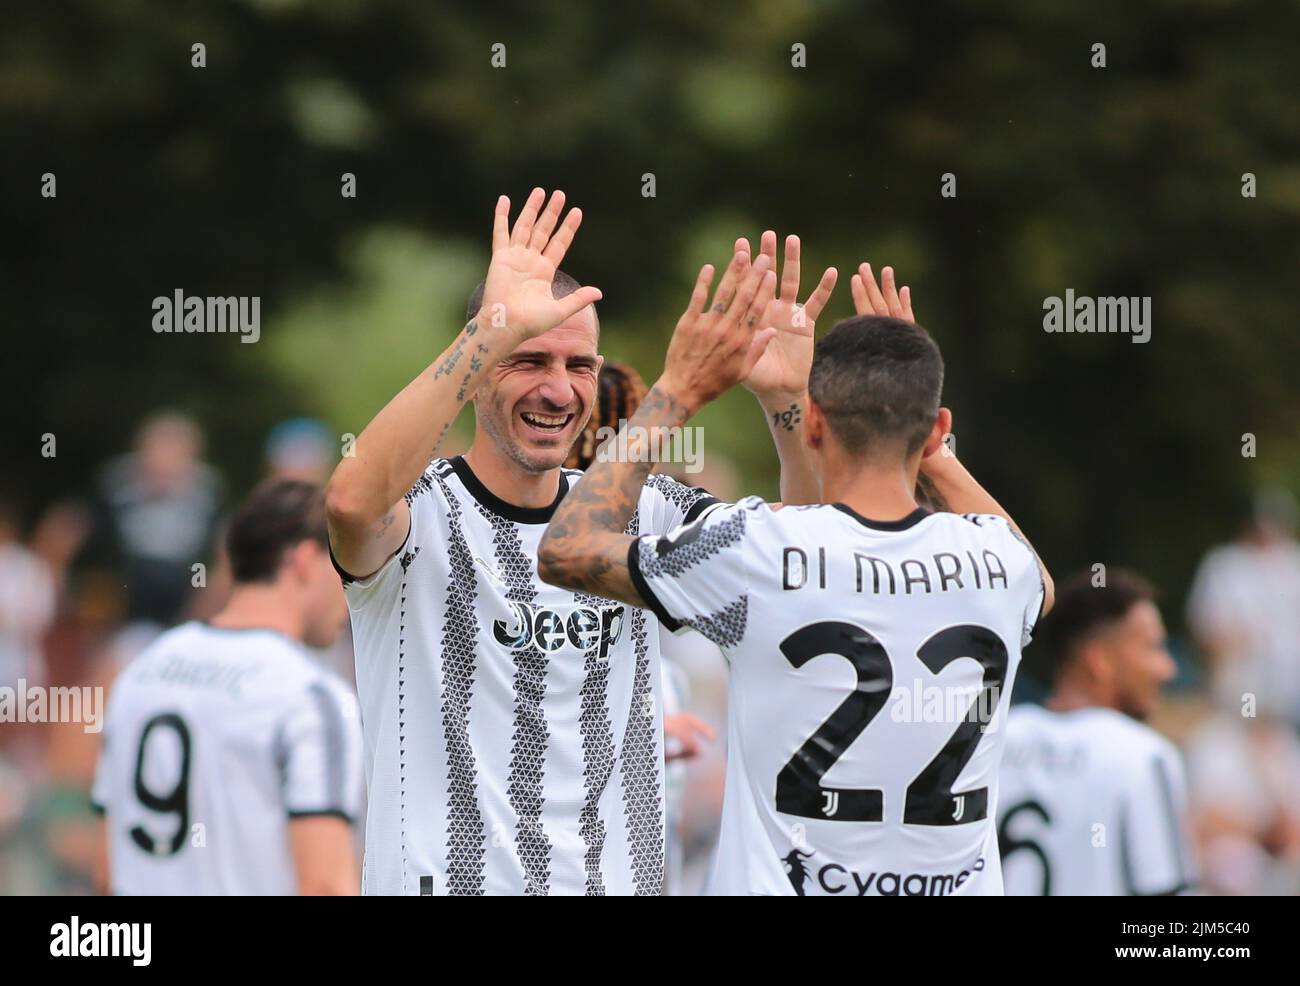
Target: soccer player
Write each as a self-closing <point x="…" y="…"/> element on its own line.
<point x="1093" y="801"/>
<point x="826" y="611"/>
<point x="232" y="759"/>
<point x="514" y="729"/>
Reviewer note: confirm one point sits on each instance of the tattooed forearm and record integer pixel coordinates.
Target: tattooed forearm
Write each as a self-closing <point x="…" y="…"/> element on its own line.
<point x="585" y="547"/>
<point x="457" y="351"/>
<point x="437" y="442"/>
<point x="385" y="522"/>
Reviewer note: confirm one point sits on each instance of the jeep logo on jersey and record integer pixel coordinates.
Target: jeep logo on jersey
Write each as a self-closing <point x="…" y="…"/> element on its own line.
<point x="582" y="626"/>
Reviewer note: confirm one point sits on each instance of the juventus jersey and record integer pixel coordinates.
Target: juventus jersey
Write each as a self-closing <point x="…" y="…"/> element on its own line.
<point x="871" y="663"/>
<point x="514" y="730"/>
<point x="214" y="740"/>
<point x="1093" y="803"/>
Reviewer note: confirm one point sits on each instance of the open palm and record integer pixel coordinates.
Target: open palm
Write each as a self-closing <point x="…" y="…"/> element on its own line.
<point x="781" y="373"/>
<point x="518" y="291"/>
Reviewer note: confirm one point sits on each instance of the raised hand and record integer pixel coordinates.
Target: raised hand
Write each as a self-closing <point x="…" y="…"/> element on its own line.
<point x="715" y="346"/>
<point x="781" y="375"/>
<point x="517" y="294"/>
<point x="868" y="299"/>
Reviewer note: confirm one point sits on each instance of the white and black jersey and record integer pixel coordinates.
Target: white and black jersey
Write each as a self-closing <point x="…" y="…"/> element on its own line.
<point x="514" y="730"/>
<point x="871" y="664"/>
<point x="214" y="740"/>
<point x="1093" y="804"/>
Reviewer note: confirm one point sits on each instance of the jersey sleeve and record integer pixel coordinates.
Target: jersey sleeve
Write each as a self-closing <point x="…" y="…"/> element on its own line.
<point x="697" y="577"/>
<point x="1024" y="574"/>
<point x="1154" y="847"/>
<point x="322" y="756"/>
<point x="424" y="501"/>
<point x="667" y="504"/>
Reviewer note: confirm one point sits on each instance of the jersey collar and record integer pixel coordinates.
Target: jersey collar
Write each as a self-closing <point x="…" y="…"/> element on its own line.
<point x="520" y="515"/>
<point x="902" y="524"/>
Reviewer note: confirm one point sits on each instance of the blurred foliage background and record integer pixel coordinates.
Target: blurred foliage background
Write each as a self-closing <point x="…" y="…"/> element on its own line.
<point x="225" y="180"/>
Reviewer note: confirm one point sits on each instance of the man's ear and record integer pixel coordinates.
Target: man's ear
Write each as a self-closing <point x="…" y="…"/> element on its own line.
<point x="1095" y="657"/>
<point x="814" y="426"/>
<point x="302" y="560"/>
<point x="942" y="426"/>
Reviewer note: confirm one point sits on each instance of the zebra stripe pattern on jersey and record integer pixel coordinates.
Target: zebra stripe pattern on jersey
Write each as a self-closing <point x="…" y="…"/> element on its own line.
<point x="683" y="497"/>
<point x="691" y="547"/>
<point x="531" y="734"/>
<point x="466" y="838"/>
<point x="726" y="627"/>
<point x="597" y="753"/>
<point x="642" y="796"/>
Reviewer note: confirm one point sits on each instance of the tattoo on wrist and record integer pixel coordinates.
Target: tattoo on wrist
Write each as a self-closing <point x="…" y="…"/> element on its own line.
<point x="930" y="496"/>
<point x="447" y="365"/>
<point x="464" y="385"/>
<point x="788" y="418"/>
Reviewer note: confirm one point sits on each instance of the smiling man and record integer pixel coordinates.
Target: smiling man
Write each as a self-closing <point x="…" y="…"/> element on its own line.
<point x="514" y="730"/>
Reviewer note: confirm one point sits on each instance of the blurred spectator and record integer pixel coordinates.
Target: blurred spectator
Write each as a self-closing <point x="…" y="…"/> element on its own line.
<point x="27" y="599"/>
<point x="1245" y="782"/>
<point x="58" y="537"/>
<point x="157" y="512"/>
<point x="301" y="448"/>
<point x="1244" y="759"/>
<point x="1245" y="611"/>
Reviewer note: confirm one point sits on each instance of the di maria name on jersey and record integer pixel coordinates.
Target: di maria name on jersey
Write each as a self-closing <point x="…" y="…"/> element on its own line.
<point x="514" y="730"/>
<point x="871" y="664"/>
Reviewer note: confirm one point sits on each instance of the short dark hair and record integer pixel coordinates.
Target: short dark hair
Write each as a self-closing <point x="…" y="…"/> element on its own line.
<point x="278" y="515"/>
<point x="561" y="287"/>
<point x="878" y="382"/>
<point x="1082" y="611"/>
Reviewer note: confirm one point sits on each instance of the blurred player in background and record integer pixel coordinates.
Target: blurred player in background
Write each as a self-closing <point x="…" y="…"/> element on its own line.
<point x="825" y="609"/>
<point x="157" y="510"/>
<point x="1093" y="801"/>
<point x="1244" y="608"/>
<point x="232" y="760"/>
